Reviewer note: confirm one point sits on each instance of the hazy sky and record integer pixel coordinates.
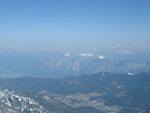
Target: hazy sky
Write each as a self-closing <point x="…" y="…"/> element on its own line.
<point x="74" y="23"/>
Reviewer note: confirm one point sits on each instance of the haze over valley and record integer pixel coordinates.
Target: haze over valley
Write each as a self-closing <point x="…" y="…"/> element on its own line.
<point x="59" y="64"/>
<point x="74" y="56"/>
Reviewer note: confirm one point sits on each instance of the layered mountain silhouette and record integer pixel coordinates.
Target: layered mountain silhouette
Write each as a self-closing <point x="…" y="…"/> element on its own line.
<point x="114" y="92"/>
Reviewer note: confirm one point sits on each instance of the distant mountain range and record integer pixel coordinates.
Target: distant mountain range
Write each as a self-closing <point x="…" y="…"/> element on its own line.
<point x="52" y="64"/>
<point x="49" y="82"/>
<point x="105" y="92"/>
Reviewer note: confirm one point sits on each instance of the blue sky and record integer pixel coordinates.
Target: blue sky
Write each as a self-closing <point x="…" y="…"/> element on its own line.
<point x="74" y="23"/>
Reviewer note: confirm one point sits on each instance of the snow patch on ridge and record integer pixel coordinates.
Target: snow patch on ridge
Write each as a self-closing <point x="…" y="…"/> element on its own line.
<point x="130" y="74"/>
<point x="101" y="57"/>
<point x="67" y="54"/>
<point x="86" y="55"/>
